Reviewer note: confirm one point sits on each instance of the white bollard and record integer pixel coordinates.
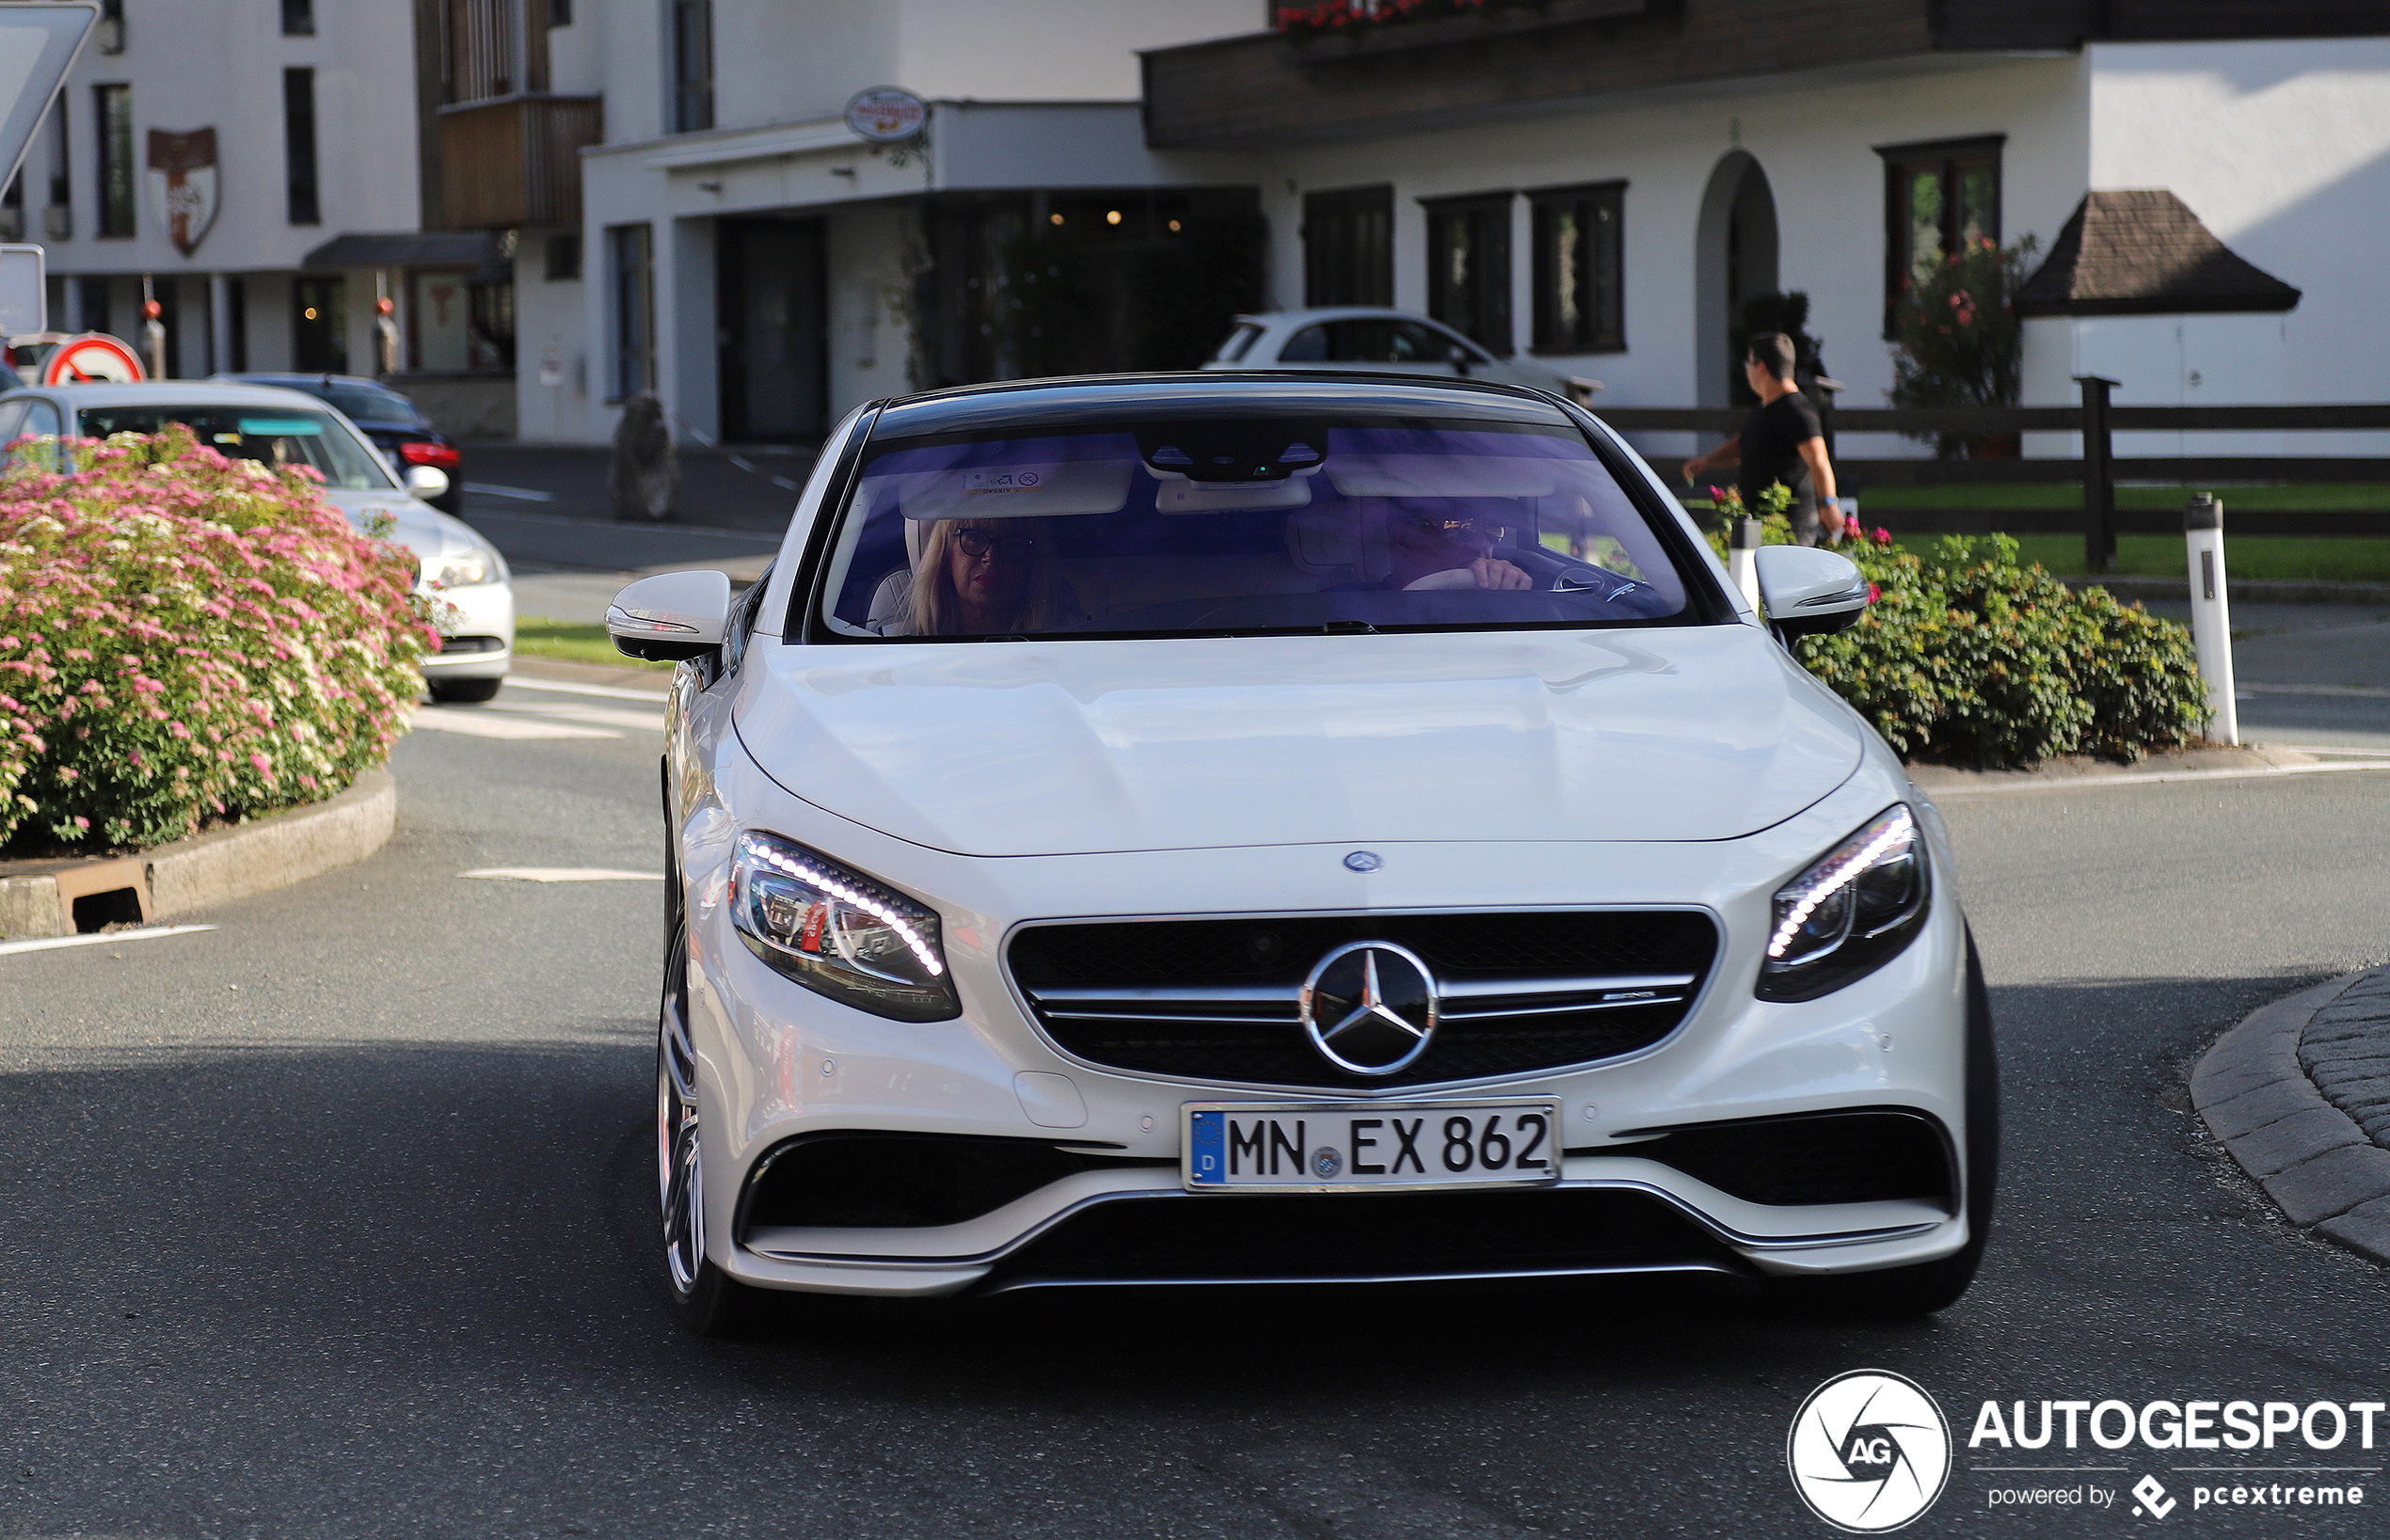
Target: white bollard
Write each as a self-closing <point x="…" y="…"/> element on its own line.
<point x="1743" y="559"/>
<point x="2211" y="612"/>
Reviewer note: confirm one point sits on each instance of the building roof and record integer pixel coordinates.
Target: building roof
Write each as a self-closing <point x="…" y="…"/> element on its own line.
<point x="409" y="249"/>
<point x="2143" y="252"/>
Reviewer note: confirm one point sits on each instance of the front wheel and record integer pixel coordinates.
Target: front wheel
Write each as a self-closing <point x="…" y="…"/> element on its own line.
<point x="709" y="1301"/>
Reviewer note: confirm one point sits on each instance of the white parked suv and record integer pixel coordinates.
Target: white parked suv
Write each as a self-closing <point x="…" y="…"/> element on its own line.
<point x="463" y="573"/>
<point x="1202" y="830"/>
<point x="1359" y="340"/>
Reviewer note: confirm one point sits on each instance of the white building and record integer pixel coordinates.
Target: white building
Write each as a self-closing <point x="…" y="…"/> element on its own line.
<point x="1718" y="148"/>
<point x="210" y="147"/>
<point x="739" y="249"/>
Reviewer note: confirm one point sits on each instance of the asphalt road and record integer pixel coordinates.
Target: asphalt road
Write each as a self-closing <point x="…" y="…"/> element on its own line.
<point x="336" y="1220"/>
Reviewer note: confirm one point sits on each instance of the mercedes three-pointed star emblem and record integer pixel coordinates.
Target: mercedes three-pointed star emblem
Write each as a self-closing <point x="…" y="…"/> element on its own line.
<point x="1369" y="1007"/>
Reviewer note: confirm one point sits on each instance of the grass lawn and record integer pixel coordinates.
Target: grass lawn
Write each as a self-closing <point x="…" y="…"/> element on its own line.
<point x="2356" y="497"/>
<point x="2307" y="557"/>
<point x="575" y="641"/>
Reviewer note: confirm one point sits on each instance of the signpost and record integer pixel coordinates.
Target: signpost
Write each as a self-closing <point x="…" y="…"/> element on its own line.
<point x="92" y="358"/>
<point x="24" y="291"/>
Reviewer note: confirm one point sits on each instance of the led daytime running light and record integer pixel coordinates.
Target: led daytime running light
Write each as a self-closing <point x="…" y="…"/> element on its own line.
<point x="1897" y="828"/>
<point x="873" y="904"/>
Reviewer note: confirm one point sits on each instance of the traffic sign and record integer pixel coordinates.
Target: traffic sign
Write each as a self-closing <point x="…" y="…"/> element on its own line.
<point x="37" y="43"/>
<point x="92" y="358"/>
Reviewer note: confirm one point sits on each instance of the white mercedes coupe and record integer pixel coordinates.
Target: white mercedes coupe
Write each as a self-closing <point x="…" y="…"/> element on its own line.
<point x="1262" y="829"/>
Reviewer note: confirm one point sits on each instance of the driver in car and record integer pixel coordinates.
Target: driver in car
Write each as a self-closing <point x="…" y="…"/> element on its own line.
<point x="1447" y="543"/>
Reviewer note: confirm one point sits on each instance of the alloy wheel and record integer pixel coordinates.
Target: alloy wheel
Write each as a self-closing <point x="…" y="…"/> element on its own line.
<point x="679" y="1172"/>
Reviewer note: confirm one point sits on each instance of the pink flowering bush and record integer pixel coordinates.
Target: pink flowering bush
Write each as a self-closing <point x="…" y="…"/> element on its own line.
<point x="184" y="636"/>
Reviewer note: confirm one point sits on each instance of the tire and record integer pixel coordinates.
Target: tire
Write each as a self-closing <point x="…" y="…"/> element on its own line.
<point x="709" y="1301"/>
<point x="1898" y="1292"/>
<point x="465" y="691"/>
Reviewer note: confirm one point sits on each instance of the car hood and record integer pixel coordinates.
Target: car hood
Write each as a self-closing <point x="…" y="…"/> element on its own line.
<point x="420" y="528"/>
<point x="1018" y="749"/>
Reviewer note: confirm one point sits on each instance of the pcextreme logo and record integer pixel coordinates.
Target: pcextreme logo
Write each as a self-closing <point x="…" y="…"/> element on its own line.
<point x="1869" y="1451"/>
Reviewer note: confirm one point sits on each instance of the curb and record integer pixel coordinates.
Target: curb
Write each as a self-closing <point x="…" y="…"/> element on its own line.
<point x="2257" y="1090"/>
<point x="210" y="868"/>
<point x="2073" y="770"/>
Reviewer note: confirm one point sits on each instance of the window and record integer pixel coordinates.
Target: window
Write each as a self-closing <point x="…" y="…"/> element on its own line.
<point x="278" y="436"/>
<point x="1286" y="519"/>
<point x="91" y="301"/>
<point x="489" y="310"/>
<point x="109" y="33"/>
<point x="298" y="146"/>
<point x="236" y="322"/>
<point x="1580" y="277"/>
<point x="1349" y="246"/>
<point x="1369" y="341"/>
<point x="560" y="12"/>
<point x="692" y="65"/>
<point x="113" y="111"/>
<point x="320" y="327"/>
<point x="1936" y="198"/>
<point x="61" y="166"/>
<point x="1469" y="268"/>
<point x="632" y="250"/>
<point x="564" y="257"/>
<point x="299" y="18"/>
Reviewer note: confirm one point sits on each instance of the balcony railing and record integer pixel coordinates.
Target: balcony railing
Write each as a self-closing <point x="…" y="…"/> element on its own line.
<point x="515" y="160"/>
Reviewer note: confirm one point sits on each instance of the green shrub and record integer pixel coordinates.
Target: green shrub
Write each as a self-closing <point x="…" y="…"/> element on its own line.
<point x="1968" y="658"/>
<point x="186" y="636"/>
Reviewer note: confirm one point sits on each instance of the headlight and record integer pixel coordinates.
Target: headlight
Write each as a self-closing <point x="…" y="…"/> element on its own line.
<point x="840" y="933"/>
<point x="470" y="570"/>
<point x="1850" y="913"/>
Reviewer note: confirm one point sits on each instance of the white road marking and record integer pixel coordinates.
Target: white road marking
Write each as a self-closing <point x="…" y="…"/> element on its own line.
<point x="2143" y="778"/>
<point x="563" y="874"/>
<point x="524" y="494"/>
<point x="562" y="687"/>
<point x="488" y="724"/>
<point x="2361" y="691"/>
<point x="597" y="716"/>
<point x="96" y="937"/>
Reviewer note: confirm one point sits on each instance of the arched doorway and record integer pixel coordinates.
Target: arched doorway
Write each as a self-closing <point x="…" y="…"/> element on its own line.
<point x="1734" y="257"/>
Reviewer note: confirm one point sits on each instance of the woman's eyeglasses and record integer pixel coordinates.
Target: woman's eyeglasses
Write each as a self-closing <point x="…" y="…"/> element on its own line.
<point x="1013" y="548"/>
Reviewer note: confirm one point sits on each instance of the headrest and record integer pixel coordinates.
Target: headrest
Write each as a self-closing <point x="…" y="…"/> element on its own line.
<point x="1342" y="540"/>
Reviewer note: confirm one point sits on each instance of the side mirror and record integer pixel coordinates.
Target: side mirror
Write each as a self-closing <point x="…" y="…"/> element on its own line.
<point x="1806" y="591"/>
<point x="671" y="616"/>
<point x="427" y="482"/>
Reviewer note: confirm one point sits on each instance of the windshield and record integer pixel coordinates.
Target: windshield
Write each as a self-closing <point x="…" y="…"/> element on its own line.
<point x="365" y="404"/>
<point x="1213" y="527"/>
<point x="278" y="436"/>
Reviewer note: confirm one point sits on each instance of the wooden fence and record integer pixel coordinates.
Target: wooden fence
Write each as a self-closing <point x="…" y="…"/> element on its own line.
<point x="2098" y="471"/>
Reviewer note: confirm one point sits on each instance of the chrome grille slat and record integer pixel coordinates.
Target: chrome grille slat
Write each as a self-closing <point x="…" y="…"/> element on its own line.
<point x="1217" y="999"/>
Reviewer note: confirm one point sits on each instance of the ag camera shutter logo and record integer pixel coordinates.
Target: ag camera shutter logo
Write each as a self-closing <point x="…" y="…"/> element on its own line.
<point x="1869" y="1451"/>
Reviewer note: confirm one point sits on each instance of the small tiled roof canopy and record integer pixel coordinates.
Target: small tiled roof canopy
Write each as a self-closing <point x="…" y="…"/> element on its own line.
<point x="2145" y="253"/>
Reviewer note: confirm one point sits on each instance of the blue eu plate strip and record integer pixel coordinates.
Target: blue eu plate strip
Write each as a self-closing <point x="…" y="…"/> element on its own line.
<point x="1206" y="1149"/>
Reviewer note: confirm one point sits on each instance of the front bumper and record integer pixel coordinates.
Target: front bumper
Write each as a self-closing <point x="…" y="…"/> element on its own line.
<point x="778" y="1062"/>
<point x="482" y="615"/>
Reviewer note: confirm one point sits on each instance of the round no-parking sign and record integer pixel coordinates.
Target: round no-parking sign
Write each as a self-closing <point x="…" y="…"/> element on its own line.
<point x="94" y="356"/>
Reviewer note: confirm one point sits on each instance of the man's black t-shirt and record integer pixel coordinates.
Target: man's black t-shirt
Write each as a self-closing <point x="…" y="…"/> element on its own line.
<point x="1772" y="441"/>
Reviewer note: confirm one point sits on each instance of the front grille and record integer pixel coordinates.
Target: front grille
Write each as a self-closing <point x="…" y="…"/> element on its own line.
<point x="1350" y="1236"/>
<point x="1867" y="1157"/>
<point x="1215" y="999"/>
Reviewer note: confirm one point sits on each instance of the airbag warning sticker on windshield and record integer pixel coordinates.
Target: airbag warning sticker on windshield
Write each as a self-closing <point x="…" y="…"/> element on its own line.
<point x="1017" y="478"/>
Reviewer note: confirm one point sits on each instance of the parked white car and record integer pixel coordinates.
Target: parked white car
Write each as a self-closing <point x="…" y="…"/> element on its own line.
<point x="1203" y="831"/>
<point x="1352" y="340"/>
<point x="460" y="569"/>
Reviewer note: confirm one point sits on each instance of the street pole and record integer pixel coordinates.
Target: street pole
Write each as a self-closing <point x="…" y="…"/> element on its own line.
<point x="152" y="330"/>
<point x="1743" y="558"/>
<point x="2099" y="477"/>
<point x="2211" y="612"/>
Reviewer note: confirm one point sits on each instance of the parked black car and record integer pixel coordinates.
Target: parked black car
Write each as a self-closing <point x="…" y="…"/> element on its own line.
<point x="395" y="424"/>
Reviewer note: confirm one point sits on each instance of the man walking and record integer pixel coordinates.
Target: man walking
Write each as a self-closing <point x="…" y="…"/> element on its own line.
<point x="1779" y="442"/>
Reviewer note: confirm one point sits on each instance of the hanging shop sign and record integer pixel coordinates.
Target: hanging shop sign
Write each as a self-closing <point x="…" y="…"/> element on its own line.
<point x="885" y="115"/>
<point x="183" y="184"/>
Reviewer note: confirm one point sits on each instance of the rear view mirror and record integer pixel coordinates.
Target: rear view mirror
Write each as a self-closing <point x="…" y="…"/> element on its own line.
<point x="1808" y="592"/>
<point x="671" y="616"/>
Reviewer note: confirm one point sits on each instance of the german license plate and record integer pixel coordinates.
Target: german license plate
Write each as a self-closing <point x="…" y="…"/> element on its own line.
<point x="1237" y="1146"/>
